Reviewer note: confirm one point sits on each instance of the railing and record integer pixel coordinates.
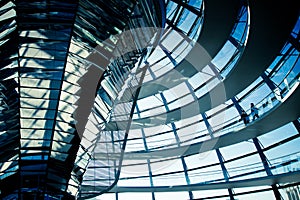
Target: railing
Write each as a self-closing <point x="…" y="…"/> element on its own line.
<point x="267" y="103"/>
<point x="213" y="173"/>
<point x="233" y="124"/>
<point x="223" y="69"/>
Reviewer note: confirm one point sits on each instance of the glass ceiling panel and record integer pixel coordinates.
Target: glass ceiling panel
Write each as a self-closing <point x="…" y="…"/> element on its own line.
<point x="36" y="134"/>
<point x="158" y="141"/>
<point x="39" y="93"/>
<point x="182" y="101"/>
<point x="62" y="126"/>
<point x="169" y="180"/>
<point x="65" y="117"/>
<point x="191" y="131"/>
<point x="145" y="196"/>
<point x="36" y="123"/>
<point x="188" y="16"/>
<point x="10" y="13"/>
<point x="37" y="103"/>
<point x="232" y="53"/>
<point x="283" y="160"/>
<point x="152" y="112"/>
<point x="59" y="156"/>
<point x="220" y="194"/>
<point x="147" y="103"/>
<point x="274" y="136"/>
<point x="181" y="51"/>
<point x="62" y="35"/>
<point x="208" y="174"/>
<point x="35" y="143"/>
<point x="68" y="97"/>
<point x="10" y="28"/>
<point x="171" y="7"/>
<point x="42" y="63"/>
<point x="181" y="19"/>
<point x="41" y="74"/>
<point x="60" y="146"/>
<point x="157" y="55"/>
<point x="167" y="195"/>
<point x="39" y="83"/>
<point x="66" y="107"/>
<point x="168" y="42"/>
<point x="37" y="114"/>
<point x="195" y="3"/>
<point x="75" y="66"/>
<point x="224" y="56"/>
<point x="46" y="45"/>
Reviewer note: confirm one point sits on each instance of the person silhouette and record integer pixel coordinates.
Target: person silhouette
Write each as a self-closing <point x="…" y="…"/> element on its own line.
<point x="244" y="117"/>
<point x="254" y="111"/>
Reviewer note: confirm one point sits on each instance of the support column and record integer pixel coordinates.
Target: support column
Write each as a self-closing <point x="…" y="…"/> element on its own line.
<point x="168" y="54"/>
<point x="187" y="179"/>
<point x="208" y="126"/>
<point x="215" y="70"/>
<point x="237" y="105"/>
<point x="297" y="125"/>
<point x="272" y="86"/>
<point x="295" y="42"/>
<point x="266" y="166"/>
<point x="225" y="172"/>
<point x="220" y="157"/>
<point x="148" y="160"/>
<point x="244" y="116"/>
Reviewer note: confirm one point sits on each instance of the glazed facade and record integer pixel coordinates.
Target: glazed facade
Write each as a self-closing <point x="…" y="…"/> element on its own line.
<point x="145" y="99"/>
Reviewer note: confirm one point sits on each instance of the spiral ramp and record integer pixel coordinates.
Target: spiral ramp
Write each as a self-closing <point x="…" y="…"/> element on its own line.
<point x="187" y="139"/>
<point x="144" y="99"/>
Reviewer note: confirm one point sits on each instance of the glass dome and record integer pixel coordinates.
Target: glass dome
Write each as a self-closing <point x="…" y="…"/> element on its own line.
<point x="152" y="99"/>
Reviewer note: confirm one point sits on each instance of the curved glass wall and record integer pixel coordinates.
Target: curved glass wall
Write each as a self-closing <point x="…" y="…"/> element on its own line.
<point x="148" y="167"/>
<point x="205" y="170"/>
<point x="50" y="148"/>
<point x="46" y="49"/>
<point x="125" y="70"/>
<point x="203" y="73"/>
<point x="191" y="88"/>
<point x="183" y="25"/>
<point x="267" y="92"/>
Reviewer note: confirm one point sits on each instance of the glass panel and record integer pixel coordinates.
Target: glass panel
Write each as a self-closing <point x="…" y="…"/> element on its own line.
<point x="246" y="167"/>
<point x="42" y="63"/>
<point x="207" y="175"/>
<point x="171" y="195"/>
<point x="258" y="195"/>
<point x="59" y="156"/>
<point x="166" y="166"/>
<point x="277" y="135"/>
<point x="60" y="146"/>
<point x="37" y="123"/>
<point x="35" y="143"/>
<point x="31" y="82"/>
<point x="169" y="180"/>
<point x="38" y="103"/>
<point x="39" y="93"/>
<point x="211" y="193"/>
<point x="36" y="134"/>
<point x="34" y="113"/>
<point x="243" y="148"/>
<point x="144" y="196"/>
<point x="63" y="136"/>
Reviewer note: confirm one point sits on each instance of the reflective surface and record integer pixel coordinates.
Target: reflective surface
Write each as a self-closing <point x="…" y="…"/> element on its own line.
<point x="119" y="100"/>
